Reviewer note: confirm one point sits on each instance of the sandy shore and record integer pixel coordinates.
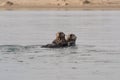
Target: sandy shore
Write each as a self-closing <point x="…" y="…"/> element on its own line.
<point x="60" y="4"/>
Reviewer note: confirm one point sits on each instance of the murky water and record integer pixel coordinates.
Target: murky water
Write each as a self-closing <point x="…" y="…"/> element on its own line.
<point x="96" y="56"/>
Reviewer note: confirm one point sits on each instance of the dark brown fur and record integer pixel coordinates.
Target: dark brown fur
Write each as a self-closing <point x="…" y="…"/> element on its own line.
<point x="71" y="40"/>
<point x="60" y="39"/>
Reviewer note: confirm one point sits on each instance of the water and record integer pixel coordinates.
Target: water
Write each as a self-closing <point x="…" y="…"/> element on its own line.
<point x="96" y="56"/>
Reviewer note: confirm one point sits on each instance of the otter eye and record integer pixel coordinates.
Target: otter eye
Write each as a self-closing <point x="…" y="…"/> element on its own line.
<point x="71" y="35"/>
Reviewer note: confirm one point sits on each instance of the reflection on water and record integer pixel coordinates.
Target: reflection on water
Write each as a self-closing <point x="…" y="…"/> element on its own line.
<point x="96" y="56"/>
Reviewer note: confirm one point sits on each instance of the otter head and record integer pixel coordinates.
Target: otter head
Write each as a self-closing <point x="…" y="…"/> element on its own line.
<point x="71" y="37"/>
<point x="60" y="35"/>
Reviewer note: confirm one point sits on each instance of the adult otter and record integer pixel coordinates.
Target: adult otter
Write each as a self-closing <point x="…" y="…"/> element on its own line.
<point x="60" y="41"/>
<point x="71" y="39"/>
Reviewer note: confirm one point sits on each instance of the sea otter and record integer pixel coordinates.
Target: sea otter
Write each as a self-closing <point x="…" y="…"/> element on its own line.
<point x="71" y="39"/>
<point x="60" y="41"/>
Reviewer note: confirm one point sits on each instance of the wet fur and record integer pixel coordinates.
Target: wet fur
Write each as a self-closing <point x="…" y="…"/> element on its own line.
<point x="60" y="41"/>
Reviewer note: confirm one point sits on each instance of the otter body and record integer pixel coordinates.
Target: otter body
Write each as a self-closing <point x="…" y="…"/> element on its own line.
<point x="53" y="46"/>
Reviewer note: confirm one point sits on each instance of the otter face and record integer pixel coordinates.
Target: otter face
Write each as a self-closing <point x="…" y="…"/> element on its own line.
<point x="71" y="37"/>
<point x="60" y="35"/>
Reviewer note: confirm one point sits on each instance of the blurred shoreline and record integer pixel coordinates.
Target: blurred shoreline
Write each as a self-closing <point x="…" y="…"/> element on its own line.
<point x="59" y="4"/>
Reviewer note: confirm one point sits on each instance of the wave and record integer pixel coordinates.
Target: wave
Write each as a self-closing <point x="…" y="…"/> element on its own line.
<point x="27" y="48"/>
<point x="18" y="48"/>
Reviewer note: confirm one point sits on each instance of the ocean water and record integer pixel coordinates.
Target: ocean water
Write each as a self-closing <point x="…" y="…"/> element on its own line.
<point x="95" y="57"/>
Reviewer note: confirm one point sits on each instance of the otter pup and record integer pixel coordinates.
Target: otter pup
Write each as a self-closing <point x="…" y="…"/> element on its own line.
<point x="58" y="42"/>
<point x="71" y="39"/>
